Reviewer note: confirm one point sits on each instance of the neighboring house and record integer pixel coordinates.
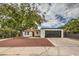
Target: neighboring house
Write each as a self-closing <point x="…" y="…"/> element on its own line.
<point x="43" y="32"/>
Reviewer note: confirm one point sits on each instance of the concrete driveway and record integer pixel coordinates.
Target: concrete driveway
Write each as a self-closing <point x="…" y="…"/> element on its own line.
<point x="63" y="47"/>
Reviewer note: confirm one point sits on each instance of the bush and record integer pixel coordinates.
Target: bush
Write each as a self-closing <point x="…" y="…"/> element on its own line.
<point x="7" y="33"/>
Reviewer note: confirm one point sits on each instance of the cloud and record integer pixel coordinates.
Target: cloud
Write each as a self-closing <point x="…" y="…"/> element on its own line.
<point x="59" y="13"/>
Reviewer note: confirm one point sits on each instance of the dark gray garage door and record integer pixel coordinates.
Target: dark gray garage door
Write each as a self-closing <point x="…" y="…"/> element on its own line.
<point x="52" y="34"/>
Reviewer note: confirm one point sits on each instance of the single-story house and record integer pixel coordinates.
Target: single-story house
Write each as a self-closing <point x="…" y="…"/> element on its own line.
<point x="31" y="33"/>
<point x="43" y="32"/>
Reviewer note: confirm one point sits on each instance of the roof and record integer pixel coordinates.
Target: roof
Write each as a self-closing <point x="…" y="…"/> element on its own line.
<point x="55" y="29"/>
<point x="51" y="28"/>
<point x="31" y="30"/>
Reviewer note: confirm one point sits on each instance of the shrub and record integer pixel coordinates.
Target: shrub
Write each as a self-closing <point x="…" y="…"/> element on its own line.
<point x="8" y="32"/>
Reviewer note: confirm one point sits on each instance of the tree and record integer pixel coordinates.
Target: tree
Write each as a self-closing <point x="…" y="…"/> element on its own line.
<point x="19" y="16"/>
<point x="72" y="26"/>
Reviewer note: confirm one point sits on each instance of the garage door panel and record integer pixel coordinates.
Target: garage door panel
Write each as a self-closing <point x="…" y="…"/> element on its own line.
<point x="52" y="33"/>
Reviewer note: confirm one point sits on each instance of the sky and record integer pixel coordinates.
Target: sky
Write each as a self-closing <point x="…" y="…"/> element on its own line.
<point x="58" y="14"/>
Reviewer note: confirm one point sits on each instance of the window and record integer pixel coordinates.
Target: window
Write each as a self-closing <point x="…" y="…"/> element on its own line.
<point x="27" y="33"/>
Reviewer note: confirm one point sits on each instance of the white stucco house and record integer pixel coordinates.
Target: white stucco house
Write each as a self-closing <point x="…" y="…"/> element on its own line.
<point x="31" y="33"/>
<point x="43" y="32"/>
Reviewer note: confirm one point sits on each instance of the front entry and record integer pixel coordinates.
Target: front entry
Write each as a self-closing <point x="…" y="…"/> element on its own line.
<point x="32" y="34"/>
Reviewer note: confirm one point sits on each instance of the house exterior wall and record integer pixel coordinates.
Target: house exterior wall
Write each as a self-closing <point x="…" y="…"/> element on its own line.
<point x="30" y="34"/>
<point x="37" y="34"/>
<point x="42" y="35"/>
<point x="62" y="33"/>
<point x="27" y="35"/>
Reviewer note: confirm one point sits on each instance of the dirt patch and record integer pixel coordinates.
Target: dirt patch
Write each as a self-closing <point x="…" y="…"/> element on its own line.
<point x="26" y="42"/>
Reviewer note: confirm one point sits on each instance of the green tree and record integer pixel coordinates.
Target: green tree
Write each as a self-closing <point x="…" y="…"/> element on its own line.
<point x="72" y="26"/>
<point x="19" y="16"/>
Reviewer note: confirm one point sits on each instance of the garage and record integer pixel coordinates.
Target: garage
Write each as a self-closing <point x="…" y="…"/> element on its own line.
<point x="52" y="33"/>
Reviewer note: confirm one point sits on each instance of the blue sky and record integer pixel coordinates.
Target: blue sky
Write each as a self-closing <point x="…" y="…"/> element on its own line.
<point x="58" y="14"/>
